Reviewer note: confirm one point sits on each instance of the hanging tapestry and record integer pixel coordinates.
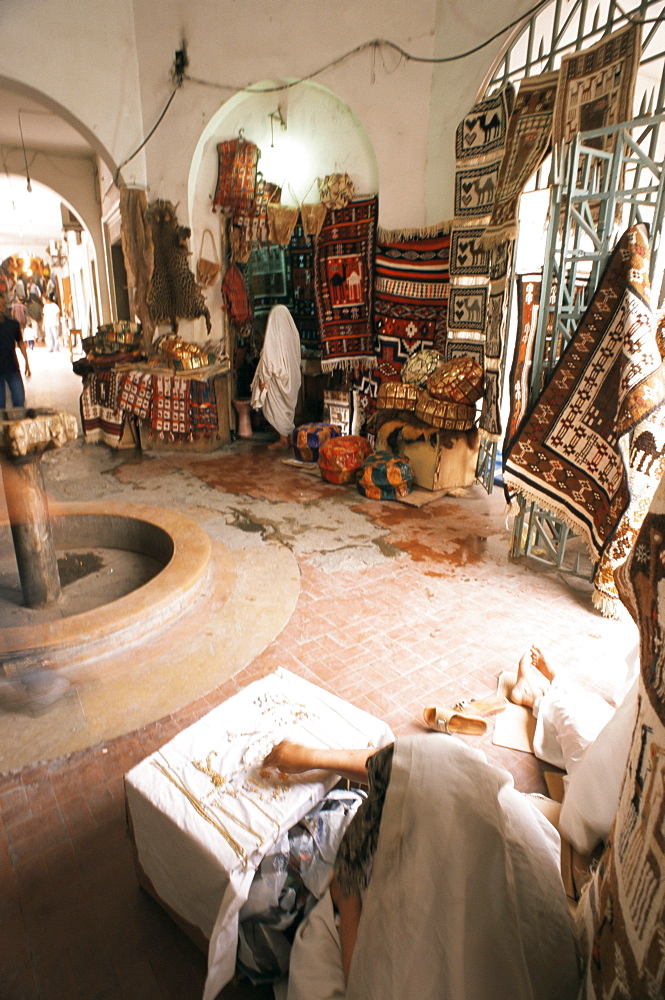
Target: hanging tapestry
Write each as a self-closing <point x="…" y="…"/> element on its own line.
<point x="596" y="87"/>
<point x="528" y="303"/>
<point x="528" y="142"/>
<point x="236" y="176"/>
<point x="173" y="292"/>
<point x="139" y="256"/>
<point x="203" y="408"/>
<point x="411" y="284"/>
<point x="250" y="226"/>
<point x="344" y="263"/>
<point x="621" y="914"/>
<point x="477" y="278"/>
<point x="301" y="302"/>
<point x="170" y="409"/>
<point x="568" y="456"/>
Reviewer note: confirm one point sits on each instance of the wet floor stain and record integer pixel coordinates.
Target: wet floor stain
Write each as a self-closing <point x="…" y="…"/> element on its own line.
<point x="74" y="566"/>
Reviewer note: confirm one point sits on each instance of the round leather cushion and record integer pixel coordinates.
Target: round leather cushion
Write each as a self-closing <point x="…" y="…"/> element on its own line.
<point x="385" y="476"/>
<point x="308" y="438"/>
<point x="397" y="396"/>
<point x="341" y="457"/>
<point x="444" y="414"/>
<point x="460" y="380"/>
<point x="421" y="365"/>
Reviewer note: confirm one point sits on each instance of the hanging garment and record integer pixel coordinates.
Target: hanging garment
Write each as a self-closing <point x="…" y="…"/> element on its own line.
<point x="278" y="371"/>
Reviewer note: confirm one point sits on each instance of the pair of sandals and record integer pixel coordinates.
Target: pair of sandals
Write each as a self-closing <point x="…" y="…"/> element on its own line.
<point x="466" y="717"/>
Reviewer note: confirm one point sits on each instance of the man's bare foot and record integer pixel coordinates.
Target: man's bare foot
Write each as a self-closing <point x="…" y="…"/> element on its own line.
<point x="281" y="443"/>
<point x="534" y="676"/>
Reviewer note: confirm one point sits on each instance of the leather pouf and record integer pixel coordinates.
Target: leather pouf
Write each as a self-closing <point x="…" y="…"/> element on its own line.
<point x="308" y="438"/>
<point x="421" y="365"/>
<point x="341" y="457"/>
<point x="385" y="476"/>
<point x="460" y="380"/>
<point x="397" y="396"/>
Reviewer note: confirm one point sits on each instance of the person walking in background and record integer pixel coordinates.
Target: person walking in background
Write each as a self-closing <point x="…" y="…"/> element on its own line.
<point x="52" y="324"/>
<point x="10" y="372"/>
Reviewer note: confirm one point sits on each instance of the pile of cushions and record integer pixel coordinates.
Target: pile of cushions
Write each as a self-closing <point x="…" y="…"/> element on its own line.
<point x="441" y="393"/>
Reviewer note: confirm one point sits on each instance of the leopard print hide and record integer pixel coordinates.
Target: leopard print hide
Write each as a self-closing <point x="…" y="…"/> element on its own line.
<point x="173" y="292"/>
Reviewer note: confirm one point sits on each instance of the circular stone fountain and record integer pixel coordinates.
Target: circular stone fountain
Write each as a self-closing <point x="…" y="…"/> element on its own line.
<point x="204" y="614"/>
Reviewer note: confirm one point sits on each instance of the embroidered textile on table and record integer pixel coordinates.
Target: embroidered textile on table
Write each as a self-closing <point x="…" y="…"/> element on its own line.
<point x="609" y="381"/>
<point x="411" y="284"/>
<point x="621" y="914"/>
<point x="480" y="145"/>
<point x="344" y="263"/>
<point x="236" y="176"/>
<point x="170" y="409"/>
<point x="528" y="141"/>
<point x="101" y="422"/>
<point x="300" y="270"/>
<point x="135" y="394"/>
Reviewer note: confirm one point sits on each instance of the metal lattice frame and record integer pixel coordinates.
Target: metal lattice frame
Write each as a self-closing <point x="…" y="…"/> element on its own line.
<point x="589" y="191"/>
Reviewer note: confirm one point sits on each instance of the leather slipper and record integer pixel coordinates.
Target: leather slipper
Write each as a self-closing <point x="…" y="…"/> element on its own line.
<point x="448" y="720"/>
<point x="482" y="706"/>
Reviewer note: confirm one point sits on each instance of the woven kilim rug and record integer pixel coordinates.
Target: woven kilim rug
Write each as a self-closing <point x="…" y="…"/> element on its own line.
<point x="344" y="286"/>
<point x="100" y="422"/>
<point x="527" y="144"/>
<point x="569" y="456"/>
<point x="476" y="301"/>
<point x="202" y="408"/>
<point x="300" y="283"/>
<point x="236" y="176"/>
<point x="596" y="87"/>
<point x="621" y="914"/>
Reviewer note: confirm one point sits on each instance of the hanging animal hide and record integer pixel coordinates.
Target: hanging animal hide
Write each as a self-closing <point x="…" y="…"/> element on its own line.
<point x="173" y="293"/>
<point x="139" y="254"/>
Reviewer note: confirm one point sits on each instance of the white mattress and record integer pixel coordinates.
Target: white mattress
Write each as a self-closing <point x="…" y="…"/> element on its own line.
<point x="200" y="836"/>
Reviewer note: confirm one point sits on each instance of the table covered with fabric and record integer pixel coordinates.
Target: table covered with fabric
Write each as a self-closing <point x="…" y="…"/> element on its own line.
<point x="203" y="812"/>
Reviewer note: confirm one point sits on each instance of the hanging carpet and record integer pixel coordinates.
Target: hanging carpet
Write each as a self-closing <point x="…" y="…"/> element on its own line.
<point x="477" y="298"/>
<point x="344" y="263"/>
<point x="527" y="144"/>
<point x="411" y="284"/>
<point x="571" y="456"/>
<point x="596" y="87"/>
<point x="621" y="914"/>
<point x="528" y="304"/>
<point x="301" y="302"/>
<point x="236" y="176"/>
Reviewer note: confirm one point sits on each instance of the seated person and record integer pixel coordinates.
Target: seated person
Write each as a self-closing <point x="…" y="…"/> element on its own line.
<point x="446" y="884"/>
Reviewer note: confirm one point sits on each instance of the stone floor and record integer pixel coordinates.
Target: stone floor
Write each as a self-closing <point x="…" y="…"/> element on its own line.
<point x="399" y="607"/>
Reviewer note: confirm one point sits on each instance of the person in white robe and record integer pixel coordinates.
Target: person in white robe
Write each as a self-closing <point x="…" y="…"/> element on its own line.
<point x="277" y="379"/>
<point x="463" y="897"/>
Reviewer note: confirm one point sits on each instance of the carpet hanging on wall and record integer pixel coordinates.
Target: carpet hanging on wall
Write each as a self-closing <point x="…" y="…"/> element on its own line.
<point x="344" y="263"/>
<point x="621" y="914"/>
<point x="479" y="146"/>
<point x="571" y="454"/>
<point x="411" y="283"/>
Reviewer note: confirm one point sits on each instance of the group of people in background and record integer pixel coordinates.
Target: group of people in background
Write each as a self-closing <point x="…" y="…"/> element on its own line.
<point x="29" y="314"/>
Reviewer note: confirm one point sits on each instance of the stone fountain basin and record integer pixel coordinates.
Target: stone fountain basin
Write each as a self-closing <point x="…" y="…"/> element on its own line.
<point x="178" y="544"/>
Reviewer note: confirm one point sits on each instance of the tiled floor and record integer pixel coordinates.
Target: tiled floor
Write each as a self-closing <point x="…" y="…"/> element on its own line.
<point x="399" y="608"/>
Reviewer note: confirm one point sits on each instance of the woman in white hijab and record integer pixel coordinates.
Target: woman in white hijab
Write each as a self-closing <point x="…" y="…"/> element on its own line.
<point x="277" y="379"/>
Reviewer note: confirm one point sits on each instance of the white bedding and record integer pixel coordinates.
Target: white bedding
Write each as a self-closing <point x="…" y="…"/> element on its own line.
<point x="200" y="834"/>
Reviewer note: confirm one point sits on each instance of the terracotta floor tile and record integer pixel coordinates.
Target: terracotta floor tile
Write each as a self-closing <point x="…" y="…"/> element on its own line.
<point x="435" y="620"/>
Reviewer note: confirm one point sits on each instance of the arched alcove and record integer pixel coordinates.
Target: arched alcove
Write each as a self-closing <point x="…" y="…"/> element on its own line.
<point x="304" y="132"/>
